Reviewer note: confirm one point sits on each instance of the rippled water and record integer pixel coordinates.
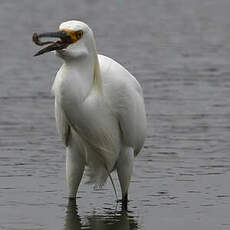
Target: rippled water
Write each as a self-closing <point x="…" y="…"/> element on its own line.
<point x="179" y="51"/>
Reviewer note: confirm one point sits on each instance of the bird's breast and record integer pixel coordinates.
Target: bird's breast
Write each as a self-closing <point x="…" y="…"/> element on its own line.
<point x="91" y="118"/>
<point x="72" y="85"/>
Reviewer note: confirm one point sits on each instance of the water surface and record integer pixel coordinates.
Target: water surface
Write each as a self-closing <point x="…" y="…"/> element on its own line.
<point x="179" y="51"/>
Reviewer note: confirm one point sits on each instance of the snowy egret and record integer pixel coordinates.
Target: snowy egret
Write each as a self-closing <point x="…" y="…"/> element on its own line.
<point x="99" y="109"/>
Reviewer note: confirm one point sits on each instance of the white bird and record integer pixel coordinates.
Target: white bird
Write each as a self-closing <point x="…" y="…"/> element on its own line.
<point x="99" y="109"/>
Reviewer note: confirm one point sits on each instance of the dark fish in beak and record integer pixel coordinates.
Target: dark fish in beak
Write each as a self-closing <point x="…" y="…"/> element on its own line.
<point x="64" y="41"/>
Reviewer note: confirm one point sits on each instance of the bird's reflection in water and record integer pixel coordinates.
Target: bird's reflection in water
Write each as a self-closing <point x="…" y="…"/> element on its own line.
<point x="108" y="221"/>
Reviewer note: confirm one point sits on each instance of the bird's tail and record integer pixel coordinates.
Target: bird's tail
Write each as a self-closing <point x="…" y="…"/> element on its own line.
<point x="100" y="157"/>
<point x="98" y="173"/>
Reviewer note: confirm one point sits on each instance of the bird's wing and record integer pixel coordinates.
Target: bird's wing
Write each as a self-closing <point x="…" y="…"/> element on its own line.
<point x="63" y="127"/>
<point x="126" y="100"/>
<point x="132" y="118"/>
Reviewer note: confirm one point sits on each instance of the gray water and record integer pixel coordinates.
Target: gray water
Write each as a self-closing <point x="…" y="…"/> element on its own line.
<point x="179" y="51"/>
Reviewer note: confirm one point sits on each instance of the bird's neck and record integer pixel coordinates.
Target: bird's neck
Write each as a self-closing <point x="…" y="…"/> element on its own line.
<point x="85" y="73"/>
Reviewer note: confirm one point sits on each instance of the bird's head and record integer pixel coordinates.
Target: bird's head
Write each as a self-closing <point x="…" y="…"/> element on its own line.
<point x="75" y="39"/>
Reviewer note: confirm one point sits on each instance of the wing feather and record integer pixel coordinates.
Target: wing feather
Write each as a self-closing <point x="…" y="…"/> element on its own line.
<point x="63" y="127"/>
<point x="124" y="94"/>
<point x="132" y="118"/>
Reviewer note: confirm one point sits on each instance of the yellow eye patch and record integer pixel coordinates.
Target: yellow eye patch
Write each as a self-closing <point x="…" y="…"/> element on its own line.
<point x="75" y="35"/>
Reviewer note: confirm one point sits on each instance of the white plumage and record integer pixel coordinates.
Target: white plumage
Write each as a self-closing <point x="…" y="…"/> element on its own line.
<point x="100" y="113"/>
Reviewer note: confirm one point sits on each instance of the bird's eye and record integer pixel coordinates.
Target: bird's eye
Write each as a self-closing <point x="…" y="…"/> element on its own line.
<point x="79" y="34"/>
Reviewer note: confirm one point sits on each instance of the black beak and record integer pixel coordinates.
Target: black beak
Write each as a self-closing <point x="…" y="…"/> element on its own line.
<point x="64" y="41"/>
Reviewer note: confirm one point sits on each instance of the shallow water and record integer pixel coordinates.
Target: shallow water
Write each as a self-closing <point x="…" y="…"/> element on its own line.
<point x="179" y="51"/>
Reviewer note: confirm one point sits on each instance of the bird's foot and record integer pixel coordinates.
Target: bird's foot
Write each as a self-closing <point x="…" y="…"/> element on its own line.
<point x="124" y="202"/>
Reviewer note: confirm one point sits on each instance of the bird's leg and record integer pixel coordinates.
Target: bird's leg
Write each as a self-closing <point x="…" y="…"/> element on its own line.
<point x="125" y="202"/>
<point x="74" y="171"/>
<point x="124" y="171"/>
